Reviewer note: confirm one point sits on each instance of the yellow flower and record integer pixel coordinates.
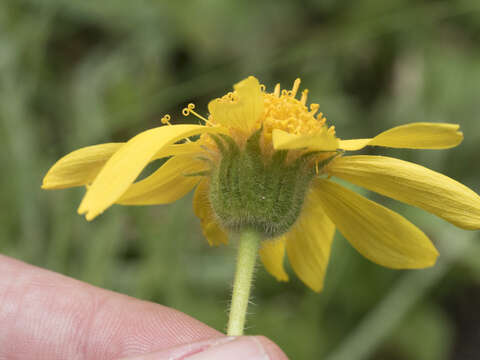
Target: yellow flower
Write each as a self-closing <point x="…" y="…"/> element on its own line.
<point x="252" y="135"/>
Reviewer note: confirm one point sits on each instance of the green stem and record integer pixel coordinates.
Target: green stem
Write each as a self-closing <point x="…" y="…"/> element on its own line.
<point x="246" y="258"/>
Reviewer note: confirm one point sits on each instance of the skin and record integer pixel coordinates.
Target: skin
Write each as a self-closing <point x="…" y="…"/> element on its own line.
<point x="45" y="315"/>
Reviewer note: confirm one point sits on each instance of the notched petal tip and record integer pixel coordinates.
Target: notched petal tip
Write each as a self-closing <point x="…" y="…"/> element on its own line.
<point x="83" y="211"/>
<point x="459" y="135"/>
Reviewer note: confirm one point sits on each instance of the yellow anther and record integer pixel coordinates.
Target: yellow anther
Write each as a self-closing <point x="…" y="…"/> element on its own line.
<point x="296" y="85"/>
<point x="303" y="100"/>
<point x="189" y="110"/>
<point x="285" y="112"/>
<point x="262" y="87"/>
<point x="276" y="91"/>
<point x="166" y="120"/>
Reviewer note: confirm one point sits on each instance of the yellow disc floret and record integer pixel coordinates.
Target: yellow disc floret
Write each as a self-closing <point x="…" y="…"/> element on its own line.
<point x="249" y="108"/>
<point x="284" y="112"/>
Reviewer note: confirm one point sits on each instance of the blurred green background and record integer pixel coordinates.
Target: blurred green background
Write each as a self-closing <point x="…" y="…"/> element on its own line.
<point x="77" y="73"/>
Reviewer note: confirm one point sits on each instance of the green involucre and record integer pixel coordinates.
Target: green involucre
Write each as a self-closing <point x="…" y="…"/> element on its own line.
<point x="247" y="193"/>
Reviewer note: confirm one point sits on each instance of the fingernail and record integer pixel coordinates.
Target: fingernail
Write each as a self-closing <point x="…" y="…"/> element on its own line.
<point x="242" y="348"/>
<point x="231" y="348"/>
<point x="182" y="352"/>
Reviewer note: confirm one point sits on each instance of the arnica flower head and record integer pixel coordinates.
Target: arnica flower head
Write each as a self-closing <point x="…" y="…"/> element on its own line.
<point x="263" y="161"/>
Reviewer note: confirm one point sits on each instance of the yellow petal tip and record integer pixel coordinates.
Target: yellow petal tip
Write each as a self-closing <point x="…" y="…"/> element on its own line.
<point x="316" y="288"/>
<point x="89" y="215"/>
<point x="282" y="278"/>
<point x="48" y="185"/>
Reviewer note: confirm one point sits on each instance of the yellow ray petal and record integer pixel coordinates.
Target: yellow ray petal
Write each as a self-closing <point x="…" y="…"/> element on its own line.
<point x="188" y="148"/>
<point x="79" y="167"/>
<point x="411" y="136"/>
<point x="353" y="144"/>
<point x="379" y="234"/>
<point x="272" y="253"/>
<point x="165" y="185"/>
<point x="309" y="243"/>
<point x="323" y="141"/>
<point x="244" y="111"/>
<point x="412" y="184"/>
<point x="126" y="164"/>
<point x="202" y="208"/>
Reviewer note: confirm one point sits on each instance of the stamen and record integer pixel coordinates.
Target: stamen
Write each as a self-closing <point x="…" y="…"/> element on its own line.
<point x="166" y="120"/>
<point x="276" y="92"/>
<point x="314" y="108"/>
<point x="296" y="85"/>
<point x="262" y="87"/>
<point x="189" y="110"/>
<point x="303" y="100"/>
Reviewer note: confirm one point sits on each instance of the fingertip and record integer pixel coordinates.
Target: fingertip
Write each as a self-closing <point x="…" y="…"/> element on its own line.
<point x="272" y="349"/>
<point x="231" y="348"/>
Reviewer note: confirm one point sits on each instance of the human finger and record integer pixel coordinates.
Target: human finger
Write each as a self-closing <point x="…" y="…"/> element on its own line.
<point x="45" y="315"/>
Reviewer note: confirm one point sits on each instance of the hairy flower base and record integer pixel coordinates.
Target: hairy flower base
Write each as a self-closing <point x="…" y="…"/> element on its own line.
<point x="247" y="193"/>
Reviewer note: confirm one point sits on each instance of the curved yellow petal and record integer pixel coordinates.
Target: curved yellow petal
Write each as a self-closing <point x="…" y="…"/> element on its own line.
<point x="167" y="184"/>
<point x="82" y="166"/>
<point x="188" y="148"/>
<point x="125" y="165"/>
<point x="79" y="167"/>
<point x="379" y="234"/>
<point x="323" y="141"/>
<point x="419" y="135"/>
<point x="412" y="184"/>
<point x="272" y="253"/>
<point x="202" y="208"/>
<point x="243" y="110"/>
<point x="309" y="243"/>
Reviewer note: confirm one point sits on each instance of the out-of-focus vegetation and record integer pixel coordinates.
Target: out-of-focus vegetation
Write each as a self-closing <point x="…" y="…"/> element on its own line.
<point x="77" y="73"/>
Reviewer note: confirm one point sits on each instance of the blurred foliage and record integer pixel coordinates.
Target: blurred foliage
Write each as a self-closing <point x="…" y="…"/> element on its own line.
<point x="77" y="73"/>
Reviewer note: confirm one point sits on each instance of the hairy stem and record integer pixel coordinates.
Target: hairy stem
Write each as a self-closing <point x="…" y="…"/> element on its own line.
<point x="246" y="258"/>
